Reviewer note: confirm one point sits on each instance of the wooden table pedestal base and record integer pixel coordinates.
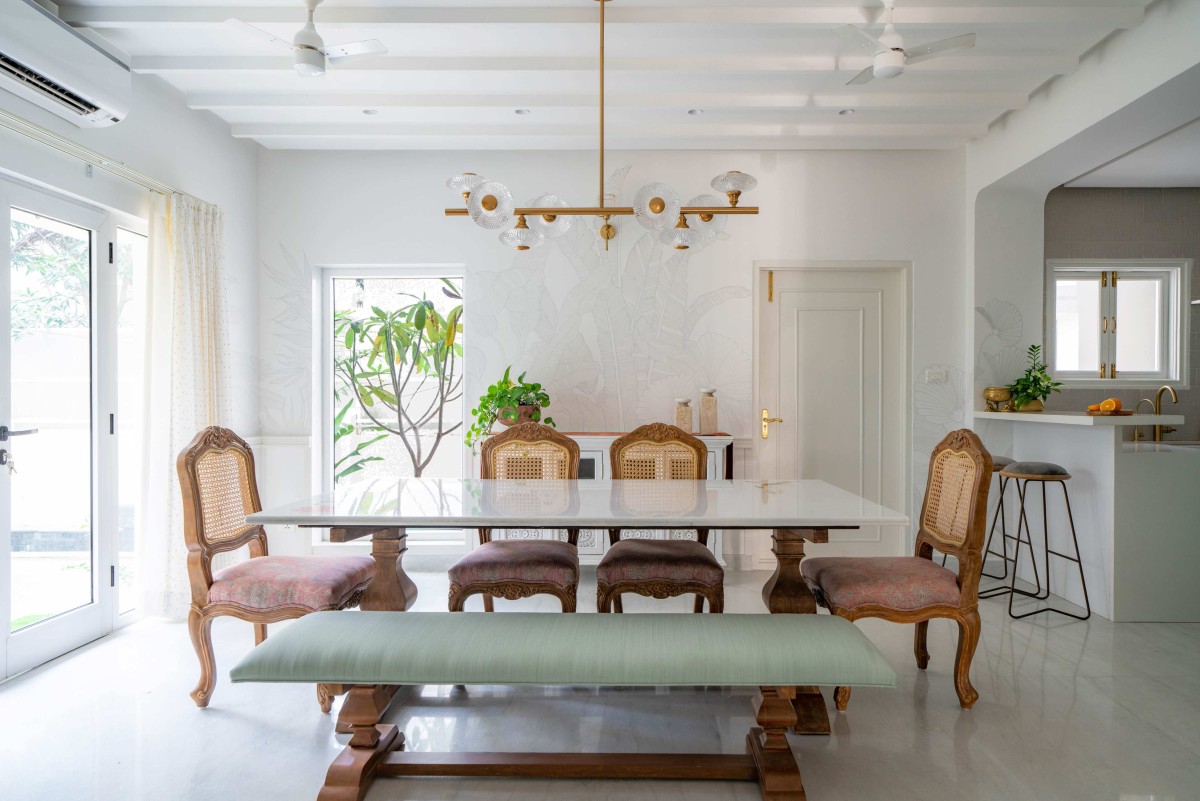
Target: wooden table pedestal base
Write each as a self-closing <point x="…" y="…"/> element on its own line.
<point x="376" y="750"/>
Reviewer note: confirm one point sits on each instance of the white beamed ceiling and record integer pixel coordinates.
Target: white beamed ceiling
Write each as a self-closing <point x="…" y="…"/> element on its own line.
<point x="768" y="74"/>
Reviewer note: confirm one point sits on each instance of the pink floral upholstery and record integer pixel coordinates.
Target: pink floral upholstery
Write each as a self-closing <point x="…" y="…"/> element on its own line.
<point x="270" y="582"/>
<point x="659" y="560"/>
<point x="903" y="583"/>
<point x="506" y="561"/>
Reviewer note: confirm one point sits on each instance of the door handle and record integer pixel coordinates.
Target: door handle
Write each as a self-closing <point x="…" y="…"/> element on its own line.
<point x="767" y="419"/>
<point x="6" y="432"/>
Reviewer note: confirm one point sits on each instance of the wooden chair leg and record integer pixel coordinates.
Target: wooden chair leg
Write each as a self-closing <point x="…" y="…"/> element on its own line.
<point x="200" y="629"/>
<point x="920" y="650"/>
<point x="968" y="639"/>
<point x="487" y="603"/>
<point x="568" y="599"/>
<point x="616" y="603"/>
<point x="457" y="599"/>
<point x="698" y="605"/>
<point x="841" y="697"/>
<point x="325" y="693"/>
<point x="716" y="601"/>
<point x="260" y="633"/>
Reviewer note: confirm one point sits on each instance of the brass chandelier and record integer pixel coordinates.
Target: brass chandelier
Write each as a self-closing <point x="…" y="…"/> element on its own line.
<point x="656" y="206"/>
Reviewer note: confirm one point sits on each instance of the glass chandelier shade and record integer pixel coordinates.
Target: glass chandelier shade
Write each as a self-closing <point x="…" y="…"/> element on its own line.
<point x="681" y="237"/>
<point x="656" y="206"/>
<point x="522" y="237"/>
<point x="733" y="184"/>
<point x="558" y="225"/>
<point x="491" y="205"/>
<point x="465" y="184"/>
<point x="714" y="226"/>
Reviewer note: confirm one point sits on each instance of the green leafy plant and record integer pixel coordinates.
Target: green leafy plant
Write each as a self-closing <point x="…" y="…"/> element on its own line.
<point x="401" y="366"/>
<point x="503" y="401"/>
<point x="354" y="461"/>
<point x="1036" y="384"/>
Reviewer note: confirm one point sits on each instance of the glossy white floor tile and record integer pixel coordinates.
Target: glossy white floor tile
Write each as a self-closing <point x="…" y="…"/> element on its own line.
<point x="1088" y="711"/>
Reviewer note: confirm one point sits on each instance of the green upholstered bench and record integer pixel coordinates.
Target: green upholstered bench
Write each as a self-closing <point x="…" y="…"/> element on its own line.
<point x="776" y="653"/>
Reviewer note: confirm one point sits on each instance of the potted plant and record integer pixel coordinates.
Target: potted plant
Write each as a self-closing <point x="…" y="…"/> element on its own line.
<point x="1030" y="390"/>
<point x="508" y="402"/>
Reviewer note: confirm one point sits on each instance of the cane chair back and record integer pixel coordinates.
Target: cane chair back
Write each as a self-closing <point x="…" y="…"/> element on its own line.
<point x="530" y="452"/>
<point x="953" y="515"/>
<point x="658" y="452"/>
<point x="216" y="477"/>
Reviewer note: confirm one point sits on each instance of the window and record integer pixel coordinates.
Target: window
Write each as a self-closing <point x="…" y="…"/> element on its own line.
<point x="1117" y="322"/>
<point x="393" y="377"/>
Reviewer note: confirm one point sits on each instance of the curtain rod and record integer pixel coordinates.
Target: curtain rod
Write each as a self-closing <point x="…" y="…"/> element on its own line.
<point x="64" y="145"/>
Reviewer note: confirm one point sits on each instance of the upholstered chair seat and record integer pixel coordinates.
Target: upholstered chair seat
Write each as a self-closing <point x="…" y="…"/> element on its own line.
<point x="514" y="561"/>
<point x="905" y="584"/>
<point x="684" y="561"/>
<point x="302" y="582"/>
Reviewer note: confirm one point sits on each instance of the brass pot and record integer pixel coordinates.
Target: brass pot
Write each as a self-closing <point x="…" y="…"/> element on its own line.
<point x="997" y="398"/>
<point x="1034" y="405"/>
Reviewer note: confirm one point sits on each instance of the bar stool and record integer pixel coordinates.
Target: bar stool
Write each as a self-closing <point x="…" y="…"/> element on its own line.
<point x="998" y="464"/>
<point x="1042" y="473"/>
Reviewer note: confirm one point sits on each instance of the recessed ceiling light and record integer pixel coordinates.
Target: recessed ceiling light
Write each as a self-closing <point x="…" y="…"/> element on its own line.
<point x="695" y="112"/>
<point x="846" y="112"/>
<point x="523" y="111"/>
<point x="370" y="112"/>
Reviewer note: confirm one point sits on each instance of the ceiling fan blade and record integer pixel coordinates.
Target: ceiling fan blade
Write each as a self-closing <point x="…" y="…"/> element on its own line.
<point x="935" y="49"/>
<point x="259" y="33"/>
<point x="344" y="52"/>
<point x="866" y="76"/>
<point x="860" y="38"/>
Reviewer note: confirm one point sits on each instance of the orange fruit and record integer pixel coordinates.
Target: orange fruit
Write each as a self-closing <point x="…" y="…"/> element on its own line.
<point x="1110" y="405"/>
<point x="1095" y="407"/>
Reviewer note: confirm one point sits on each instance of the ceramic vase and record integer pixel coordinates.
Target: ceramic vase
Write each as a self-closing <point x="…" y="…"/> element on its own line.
<point x="683" y="414"/>
<point x="708" y="411"/>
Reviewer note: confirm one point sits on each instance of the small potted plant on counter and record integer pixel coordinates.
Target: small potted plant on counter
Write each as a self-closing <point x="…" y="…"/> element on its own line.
<point x="1030" y="390"/>
<point x="508" y="402"/>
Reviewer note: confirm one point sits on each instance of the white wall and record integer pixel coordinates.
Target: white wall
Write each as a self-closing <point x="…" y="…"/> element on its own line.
<point x="614" y="338"/>
<point x="188" y="150"/>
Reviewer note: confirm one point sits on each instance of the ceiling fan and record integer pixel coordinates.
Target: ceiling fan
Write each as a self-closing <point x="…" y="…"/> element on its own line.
<point x="890" y="56"/>
<point x="309" y="50"/>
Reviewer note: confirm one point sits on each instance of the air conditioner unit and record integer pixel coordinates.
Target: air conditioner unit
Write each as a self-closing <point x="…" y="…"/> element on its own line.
<point x="47" y="62"/>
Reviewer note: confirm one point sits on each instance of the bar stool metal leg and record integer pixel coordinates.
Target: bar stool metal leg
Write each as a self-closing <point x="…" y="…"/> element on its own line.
<point x="1023" y="527"/>
<point x="1077" y="558"/>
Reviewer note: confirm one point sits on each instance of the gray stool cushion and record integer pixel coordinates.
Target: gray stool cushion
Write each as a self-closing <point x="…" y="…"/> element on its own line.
<point x="1000" y="462"/>
<point x="1047" y="469"/>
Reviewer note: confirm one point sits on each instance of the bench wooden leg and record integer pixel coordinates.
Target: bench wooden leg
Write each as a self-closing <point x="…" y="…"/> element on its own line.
<point x="365" y="705"/>
<point x="778" y="773"/>
<point x="351" y="774"/>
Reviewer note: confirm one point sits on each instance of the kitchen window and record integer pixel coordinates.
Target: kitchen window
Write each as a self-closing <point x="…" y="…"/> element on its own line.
<point x="1117" y="322"/>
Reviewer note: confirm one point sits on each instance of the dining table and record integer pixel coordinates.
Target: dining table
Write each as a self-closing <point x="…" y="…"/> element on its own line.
<point x="791" y="512"/>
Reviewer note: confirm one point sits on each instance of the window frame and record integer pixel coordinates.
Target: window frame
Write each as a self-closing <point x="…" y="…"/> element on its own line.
<point x="1175" y="275"/>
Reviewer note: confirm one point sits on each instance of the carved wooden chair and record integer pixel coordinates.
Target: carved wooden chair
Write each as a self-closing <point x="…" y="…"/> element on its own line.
<point x="216" y="476"/>
<point x="659" y="568"/>
<point x="915" y="589"/>
<point x="519" y="568"/>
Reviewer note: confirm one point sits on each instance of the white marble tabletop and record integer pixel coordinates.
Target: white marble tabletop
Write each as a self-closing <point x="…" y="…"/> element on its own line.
<point x="471" y="503"/>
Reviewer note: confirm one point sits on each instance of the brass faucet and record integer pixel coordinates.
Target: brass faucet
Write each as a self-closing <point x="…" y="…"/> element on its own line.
<point x="1159" y="430"/>
<point x="1137" y="431"/>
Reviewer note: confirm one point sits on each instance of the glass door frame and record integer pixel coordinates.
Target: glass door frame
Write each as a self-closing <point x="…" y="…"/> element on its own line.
<point x="46" y="640"/>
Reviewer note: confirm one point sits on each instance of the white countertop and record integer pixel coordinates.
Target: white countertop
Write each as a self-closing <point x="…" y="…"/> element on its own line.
<point x="1082" y="418"/>
<point x="473" y="503"/>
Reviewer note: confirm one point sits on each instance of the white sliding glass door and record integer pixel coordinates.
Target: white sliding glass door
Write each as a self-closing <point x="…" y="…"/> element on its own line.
<point x="59" y="510"/>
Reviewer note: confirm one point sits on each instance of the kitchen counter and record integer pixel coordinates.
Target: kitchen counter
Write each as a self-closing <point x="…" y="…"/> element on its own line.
<point x="1135" y="507"/>
<point x="1083" y="418"/>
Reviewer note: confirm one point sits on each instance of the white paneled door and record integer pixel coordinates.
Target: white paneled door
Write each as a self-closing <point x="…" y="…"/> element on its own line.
<point x="832" y="370"/>
<point x="64" y="283"/>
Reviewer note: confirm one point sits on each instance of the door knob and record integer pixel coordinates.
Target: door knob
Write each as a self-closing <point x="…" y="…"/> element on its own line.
<point x="767" y="419"/>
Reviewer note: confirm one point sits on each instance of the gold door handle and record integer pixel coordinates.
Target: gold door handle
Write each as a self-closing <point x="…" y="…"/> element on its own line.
<point x="767" y="419"/>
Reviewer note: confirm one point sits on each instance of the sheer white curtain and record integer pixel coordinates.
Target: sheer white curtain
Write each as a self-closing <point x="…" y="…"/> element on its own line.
<point x="186" y="379"/>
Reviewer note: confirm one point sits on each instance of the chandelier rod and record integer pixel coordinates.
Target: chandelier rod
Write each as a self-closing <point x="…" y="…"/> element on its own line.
<point x="614" y="211"/>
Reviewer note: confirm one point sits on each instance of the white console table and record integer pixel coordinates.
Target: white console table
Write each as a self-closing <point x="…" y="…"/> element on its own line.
<point x="594" y="465"/>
